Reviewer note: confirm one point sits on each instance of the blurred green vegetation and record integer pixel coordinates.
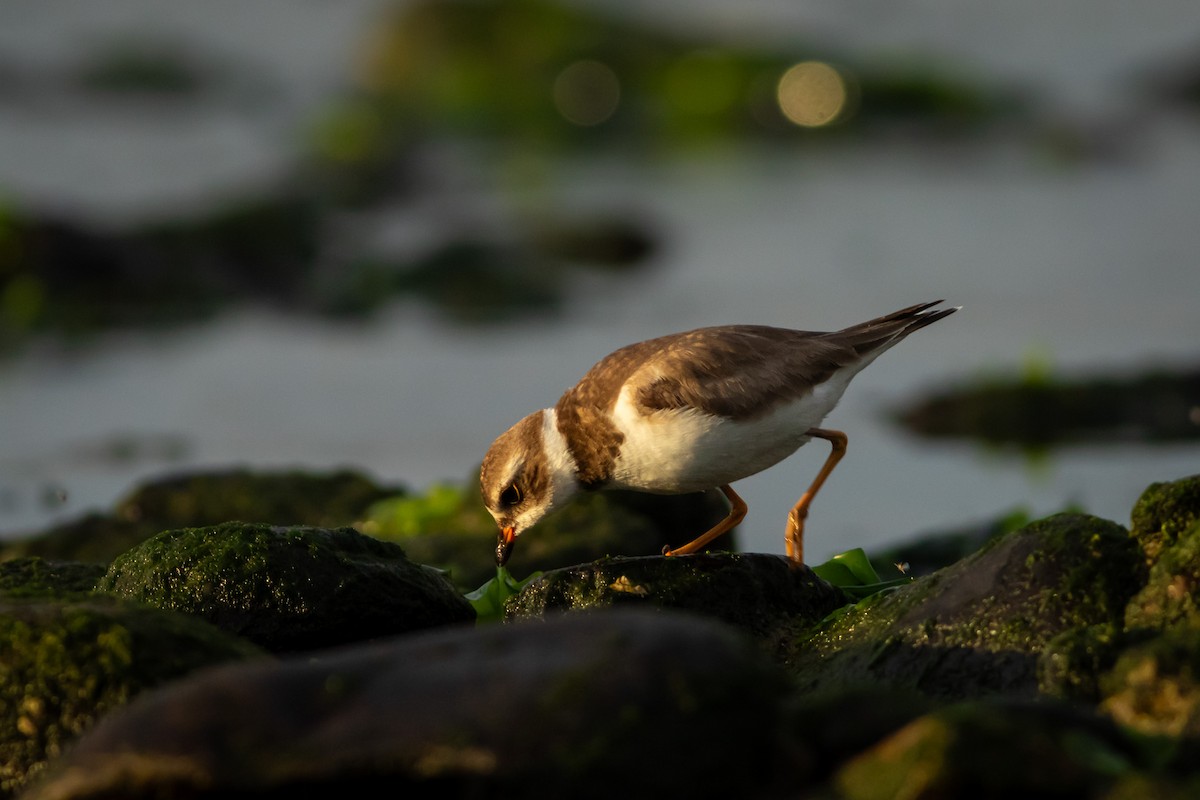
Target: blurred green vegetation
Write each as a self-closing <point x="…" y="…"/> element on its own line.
<point x="544" y="73"/>
<point x="516" y="84"/>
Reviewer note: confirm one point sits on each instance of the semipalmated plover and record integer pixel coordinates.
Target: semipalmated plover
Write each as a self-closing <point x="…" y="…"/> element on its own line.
<point x="684" y="413"/>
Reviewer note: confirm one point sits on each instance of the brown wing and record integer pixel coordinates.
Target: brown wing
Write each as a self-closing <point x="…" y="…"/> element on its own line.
<point x="739" y="371"/>
<point x="734" y="371"/>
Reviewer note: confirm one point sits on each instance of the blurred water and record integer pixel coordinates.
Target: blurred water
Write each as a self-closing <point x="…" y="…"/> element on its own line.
<point x="1092" y="265"/>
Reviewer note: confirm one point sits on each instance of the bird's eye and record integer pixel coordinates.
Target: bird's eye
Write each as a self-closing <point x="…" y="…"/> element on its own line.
<point x="510" y="496"/>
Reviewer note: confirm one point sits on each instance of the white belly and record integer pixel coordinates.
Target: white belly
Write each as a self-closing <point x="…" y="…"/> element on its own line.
<point x="672" y="452"/>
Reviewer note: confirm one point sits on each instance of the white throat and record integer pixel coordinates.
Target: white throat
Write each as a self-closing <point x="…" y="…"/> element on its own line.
<point x="561" y="463"/>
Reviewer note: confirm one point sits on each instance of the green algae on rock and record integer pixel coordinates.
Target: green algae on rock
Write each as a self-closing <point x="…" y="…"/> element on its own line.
<point x="1171" y="595"/>
<point x="1166" y="522"/>
<point x="1070" y="665"/>
<point x="763" y="595"/>
<point x="287" y="589"/>
<point x="1143" y="670"/>
<point x="36" y="577"/>
<point x="66" y="664"/>
<point x="978" y="627"/>
<point x="1164" y="512"/>
<point x="1154" y="686"/>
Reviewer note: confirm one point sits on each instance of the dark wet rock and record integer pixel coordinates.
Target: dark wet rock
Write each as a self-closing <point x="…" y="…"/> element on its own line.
<point x="94" y="538"/>
<point x="612" y="243"/>
<point x="481" y="281"/>
<point x="88" y="278"/>
<point x="1140" y="786"/>
<point x="1040" y="413"/>
<point x="829" y="728"/>
<point x="1174" y="81"/>
<point x="33" y="577"/>
<point x="292" y="497"/>
<point x="287" y="589"/>
<point x="449" y="528"/>
<point x="763" y="595"/>
<point x="978" y="627"/>
<point x="942" y="101"/>
<point x="137" y="67"/>
<point x="990" y="750"/>
<point x="73" y="279"/>
<point x="657" y="704"/>
<point x="194" y="499"/>
<point x="1164" y="512"/>
<point x="65" y="664"/>
<point x="927" y="553"/>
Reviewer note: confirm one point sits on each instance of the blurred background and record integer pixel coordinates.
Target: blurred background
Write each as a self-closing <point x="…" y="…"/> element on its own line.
<point x="375" y="234"/>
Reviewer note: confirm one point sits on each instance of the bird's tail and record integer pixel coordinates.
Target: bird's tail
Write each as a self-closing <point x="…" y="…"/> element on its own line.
<point x="876" y="334"/>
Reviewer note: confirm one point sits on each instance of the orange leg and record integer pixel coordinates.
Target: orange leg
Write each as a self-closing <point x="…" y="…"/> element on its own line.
<point x="737" y="513"/>
<point x="794" y="538"/>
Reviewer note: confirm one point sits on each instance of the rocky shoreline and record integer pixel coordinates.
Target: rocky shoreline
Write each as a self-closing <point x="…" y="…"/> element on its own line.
<point x="258" y="660"/>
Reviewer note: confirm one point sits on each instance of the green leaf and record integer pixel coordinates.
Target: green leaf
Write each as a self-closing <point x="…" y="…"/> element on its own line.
<point x="853" y="573"/>
<point x="852" y="568"/>
<point x="489" y="599"/>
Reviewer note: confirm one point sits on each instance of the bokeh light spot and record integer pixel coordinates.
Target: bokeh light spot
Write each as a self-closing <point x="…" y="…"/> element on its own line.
<point x="587" y="92"/>
<point x="812" y="94"/>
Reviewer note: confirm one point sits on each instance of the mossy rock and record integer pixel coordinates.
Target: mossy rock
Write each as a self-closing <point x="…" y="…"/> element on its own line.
<point x="1166" y="522"/>
<point x="1164" y="512"/>
<point x="1171" y="596"/>
<point x="1154" y="686"/>
<point x="1070" y="665"/>
<point x="763" y="595"/>
<point x="66" y="664"/>
<point x="287" y="589"/>
<point x="35" y="577"/>
<point x="664" y="705"/>
<point x="988" y="750"/>
<point x="978" y="627"/>
<point x="194" y="499"/>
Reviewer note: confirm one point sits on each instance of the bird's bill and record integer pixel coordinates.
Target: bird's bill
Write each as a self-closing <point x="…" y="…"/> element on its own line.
<point x="505" y="540"/>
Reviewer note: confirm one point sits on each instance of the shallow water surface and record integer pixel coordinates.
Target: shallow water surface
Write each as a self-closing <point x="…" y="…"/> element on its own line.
<point x="1089" y="265"/>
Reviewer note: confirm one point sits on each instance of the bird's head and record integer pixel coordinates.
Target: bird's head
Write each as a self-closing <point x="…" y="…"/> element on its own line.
<point x="523" y="480"/>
